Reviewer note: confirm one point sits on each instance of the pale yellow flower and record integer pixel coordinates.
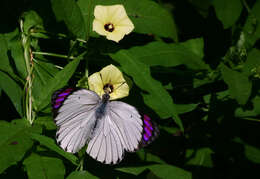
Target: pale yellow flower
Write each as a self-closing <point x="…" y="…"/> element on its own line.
<point x="109" y="80"/>
<point x="112" y="22"/>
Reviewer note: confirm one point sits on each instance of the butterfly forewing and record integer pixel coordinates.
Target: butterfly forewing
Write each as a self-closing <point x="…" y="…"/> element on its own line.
<point x="76" y="119"/>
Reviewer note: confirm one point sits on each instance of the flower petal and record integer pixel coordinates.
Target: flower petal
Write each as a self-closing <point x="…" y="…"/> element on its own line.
<point x="116" y="36"/>
<point x="95" y="83"/>
<point x="101" y="13"/>
<point x="98" y="27"/>
<point x="111" y="74"/>
<point x="125" y="28"/>
<point x="116" y="13"/>
<point x="120" y="91"/>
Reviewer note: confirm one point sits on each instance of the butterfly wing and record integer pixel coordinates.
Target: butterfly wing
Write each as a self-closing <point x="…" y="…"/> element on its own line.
<point x="59" y="97"/>
<point x="120" y="130"/>
<point x="150" y="131"/>
<point x="75" y="118"/>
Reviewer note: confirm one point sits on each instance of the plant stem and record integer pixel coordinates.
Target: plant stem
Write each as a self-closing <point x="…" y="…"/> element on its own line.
<point x="29" y="68"/>
<point x="246" y="6"/>
<point x="53" y="55"/>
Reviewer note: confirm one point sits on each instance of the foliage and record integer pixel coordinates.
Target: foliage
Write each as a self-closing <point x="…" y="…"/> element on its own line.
<point x="193" y="67"/>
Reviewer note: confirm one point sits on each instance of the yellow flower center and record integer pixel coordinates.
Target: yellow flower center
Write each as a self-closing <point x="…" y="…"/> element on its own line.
<point x="109" y="27"/>
<point x="108" y="88"/>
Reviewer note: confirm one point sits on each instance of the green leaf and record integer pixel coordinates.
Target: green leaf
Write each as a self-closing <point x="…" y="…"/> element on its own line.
<point x="18" y="57"/>
<point x="13" y="90"/>
<point x="228" y="12"/>
<point x="252" y="26"/>
<point x="189" y="53"/>
<point x="252" y="153"/>
<point x="252" y="62"/>
<point x="162" y="171"/>
<point x="256" y="104"/>
<point x="238" y="84"/>
<point x="155" y="95"/>
<point x="42" y="74"/>
<point x="250" y="113"/>
<point x="50" y="143"/>
<point x="31" y="20"/>
<point x="200" y="157"/>
<point x="171" y="130"/>
<point x="69" y="12"/>
<point x="81" y="175"/>
<point x="184" y="108"/>
<point x="148" y="17"/>
<point x="146" y="156"/>
<point x="202" y="6"/>
<point x="46" y="121"/>
<point x="4" y="60"/>
<point x="15" y="46"/>
<point x="41" y="167"/>
<point x="15" y="142"/>
<point x="59" y="80"/>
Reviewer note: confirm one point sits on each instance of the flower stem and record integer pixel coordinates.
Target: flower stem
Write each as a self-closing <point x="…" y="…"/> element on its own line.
<point x="29" y="68"/>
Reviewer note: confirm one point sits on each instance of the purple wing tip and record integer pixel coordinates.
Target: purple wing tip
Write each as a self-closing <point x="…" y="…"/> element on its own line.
<point x="150" y="130"/>
<point x="59" y="97"/>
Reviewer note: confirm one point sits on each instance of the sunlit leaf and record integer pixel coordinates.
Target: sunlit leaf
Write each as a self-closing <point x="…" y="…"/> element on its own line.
<point x="69" y="12"/>
<point x="155" y="95"/>
<point x="13" y="90"/>
<point x="184" y="108"/>
<point x="189" y="53"/>
<point x="50" y="143"/>
<point x="18" y="57"/>
<point x="46" y="121"/>
<point x="15" y="142"/>
<point x="41" y="167"/>
<point x="44" y="72"/>
<point x="148" y="157"/>
<point x="31" y="20"/>
<point x="5" y="64"/>
<point x="162" y="171"/>
<point x="81" y="175"/>
<point x="59" y="81"/>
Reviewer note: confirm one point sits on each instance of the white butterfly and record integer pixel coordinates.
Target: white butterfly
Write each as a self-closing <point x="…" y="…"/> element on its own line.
<point x="108" y="127"/>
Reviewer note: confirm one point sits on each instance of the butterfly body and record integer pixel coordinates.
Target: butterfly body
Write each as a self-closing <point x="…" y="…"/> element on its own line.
<point x="108" y="127"/>
<point x="101" y="110"/>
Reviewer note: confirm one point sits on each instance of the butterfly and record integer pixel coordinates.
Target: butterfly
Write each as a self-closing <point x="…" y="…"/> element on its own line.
<point x="109" y="128"/>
